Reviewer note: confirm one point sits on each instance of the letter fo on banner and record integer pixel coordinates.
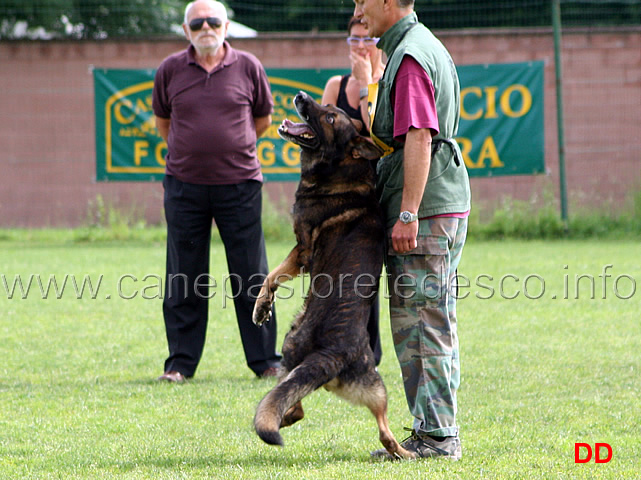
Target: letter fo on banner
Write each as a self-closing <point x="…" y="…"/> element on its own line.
<point x="500" y="132"/>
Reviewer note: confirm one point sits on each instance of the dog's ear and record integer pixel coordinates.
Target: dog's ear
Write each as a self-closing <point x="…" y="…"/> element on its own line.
<point x="364" y="148"/>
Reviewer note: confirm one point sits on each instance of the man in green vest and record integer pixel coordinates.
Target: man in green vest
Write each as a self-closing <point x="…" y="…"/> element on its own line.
<point x="425" y="194"/>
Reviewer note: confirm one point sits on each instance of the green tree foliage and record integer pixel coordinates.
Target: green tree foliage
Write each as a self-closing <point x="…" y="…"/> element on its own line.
<point x="92" y="19"/>
<point x="293" y="15"/>
<point x="35" y="13"/>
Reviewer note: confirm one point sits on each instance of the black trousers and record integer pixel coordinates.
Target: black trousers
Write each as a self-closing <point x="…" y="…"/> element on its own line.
<point x="189" y="210"/>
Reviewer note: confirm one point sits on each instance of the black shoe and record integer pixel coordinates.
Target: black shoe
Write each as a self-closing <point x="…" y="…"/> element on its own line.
<point x="172" y="377"/>
<point x="270" y="372"/>
<point x="424" y="446"/>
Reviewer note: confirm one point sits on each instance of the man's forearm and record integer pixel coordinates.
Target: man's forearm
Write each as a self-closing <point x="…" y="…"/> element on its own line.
<point x="162" y="124"/>
<point x="416" y="164"/>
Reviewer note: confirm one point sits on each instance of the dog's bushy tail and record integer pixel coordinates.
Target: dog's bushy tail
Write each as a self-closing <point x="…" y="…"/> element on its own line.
<point x="303" y="380"/>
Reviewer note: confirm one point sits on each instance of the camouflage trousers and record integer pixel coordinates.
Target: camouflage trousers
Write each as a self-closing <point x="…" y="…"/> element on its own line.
<point x="423" y="320"/>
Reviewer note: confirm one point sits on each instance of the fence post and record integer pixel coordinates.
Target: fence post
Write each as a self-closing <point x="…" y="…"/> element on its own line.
<point x="556" y="22"/>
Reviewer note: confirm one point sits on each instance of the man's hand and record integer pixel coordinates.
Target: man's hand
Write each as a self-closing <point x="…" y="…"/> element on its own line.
<point x="404" y="236"/>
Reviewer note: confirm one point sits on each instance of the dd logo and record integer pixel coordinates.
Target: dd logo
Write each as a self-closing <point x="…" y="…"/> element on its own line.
<point x="597" y="452"/>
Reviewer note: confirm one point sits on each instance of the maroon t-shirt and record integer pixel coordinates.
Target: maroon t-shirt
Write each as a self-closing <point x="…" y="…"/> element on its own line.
<point x="212" y="139"/>
<point x="416" y="106"/>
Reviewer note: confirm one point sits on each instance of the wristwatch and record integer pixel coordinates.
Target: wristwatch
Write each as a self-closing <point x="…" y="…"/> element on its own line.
<point x="408" y="217"/>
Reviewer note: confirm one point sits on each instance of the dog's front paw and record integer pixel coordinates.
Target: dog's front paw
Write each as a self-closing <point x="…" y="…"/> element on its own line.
<point x="263" y="307"/>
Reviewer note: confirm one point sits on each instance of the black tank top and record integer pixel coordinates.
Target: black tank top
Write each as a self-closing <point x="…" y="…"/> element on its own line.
<point x="342" y="103"/>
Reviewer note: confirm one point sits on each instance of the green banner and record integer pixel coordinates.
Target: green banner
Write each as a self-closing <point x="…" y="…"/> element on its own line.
<point x="501" y="129"/>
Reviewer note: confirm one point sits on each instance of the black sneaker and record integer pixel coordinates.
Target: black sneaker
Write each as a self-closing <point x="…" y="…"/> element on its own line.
<point x="424" y="446"/>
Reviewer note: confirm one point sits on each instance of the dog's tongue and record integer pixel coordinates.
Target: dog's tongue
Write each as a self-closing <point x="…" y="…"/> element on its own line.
<point x="294" y="128"/>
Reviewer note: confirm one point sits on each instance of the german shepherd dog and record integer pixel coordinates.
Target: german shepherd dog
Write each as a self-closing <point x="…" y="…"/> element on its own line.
<point x="340" y="233"/>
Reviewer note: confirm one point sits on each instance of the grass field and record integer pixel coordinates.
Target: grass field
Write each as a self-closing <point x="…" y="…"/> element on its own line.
<point x="78" y="397"/>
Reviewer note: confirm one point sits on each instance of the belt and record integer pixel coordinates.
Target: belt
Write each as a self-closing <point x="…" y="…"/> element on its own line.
<point x="437" y="144"/>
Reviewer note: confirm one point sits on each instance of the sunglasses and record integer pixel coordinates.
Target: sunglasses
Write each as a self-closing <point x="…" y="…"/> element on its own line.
<point x="197" y="23"/>
<point x="367" y="41"/>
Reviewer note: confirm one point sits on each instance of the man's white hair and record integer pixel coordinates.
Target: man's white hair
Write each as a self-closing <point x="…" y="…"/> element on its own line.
<point x="218" y="4"/>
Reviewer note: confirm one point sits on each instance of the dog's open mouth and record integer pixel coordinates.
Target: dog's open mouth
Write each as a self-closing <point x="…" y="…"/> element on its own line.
<point x="299" y="133"/>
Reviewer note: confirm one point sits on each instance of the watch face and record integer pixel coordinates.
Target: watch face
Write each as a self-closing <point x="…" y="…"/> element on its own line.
<point x="407" y="217"/>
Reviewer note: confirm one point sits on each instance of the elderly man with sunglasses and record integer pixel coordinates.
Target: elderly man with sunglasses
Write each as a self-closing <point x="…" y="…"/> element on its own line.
<point x="211" y="103"/>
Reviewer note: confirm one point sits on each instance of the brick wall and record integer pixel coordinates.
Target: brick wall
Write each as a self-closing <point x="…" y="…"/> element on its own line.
<point x="47" y="124"/>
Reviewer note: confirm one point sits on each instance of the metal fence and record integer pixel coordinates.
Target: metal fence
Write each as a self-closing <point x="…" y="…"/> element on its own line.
<point x="332" y="15"/>
<point x="102" y="19"/>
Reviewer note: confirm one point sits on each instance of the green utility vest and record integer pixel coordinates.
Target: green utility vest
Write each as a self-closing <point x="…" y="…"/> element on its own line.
<point x="448" y="186"/>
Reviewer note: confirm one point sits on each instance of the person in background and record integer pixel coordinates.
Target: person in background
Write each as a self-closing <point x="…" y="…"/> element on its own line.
<point x="211" y="103"/>
<point x="349" y="93"/>
<point x="424" y="191"/>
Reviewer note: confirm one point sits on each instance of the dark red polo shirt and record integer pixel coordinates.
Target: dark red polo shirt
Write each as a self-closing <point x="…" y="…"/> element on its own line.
<point x="212" y="140"/>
